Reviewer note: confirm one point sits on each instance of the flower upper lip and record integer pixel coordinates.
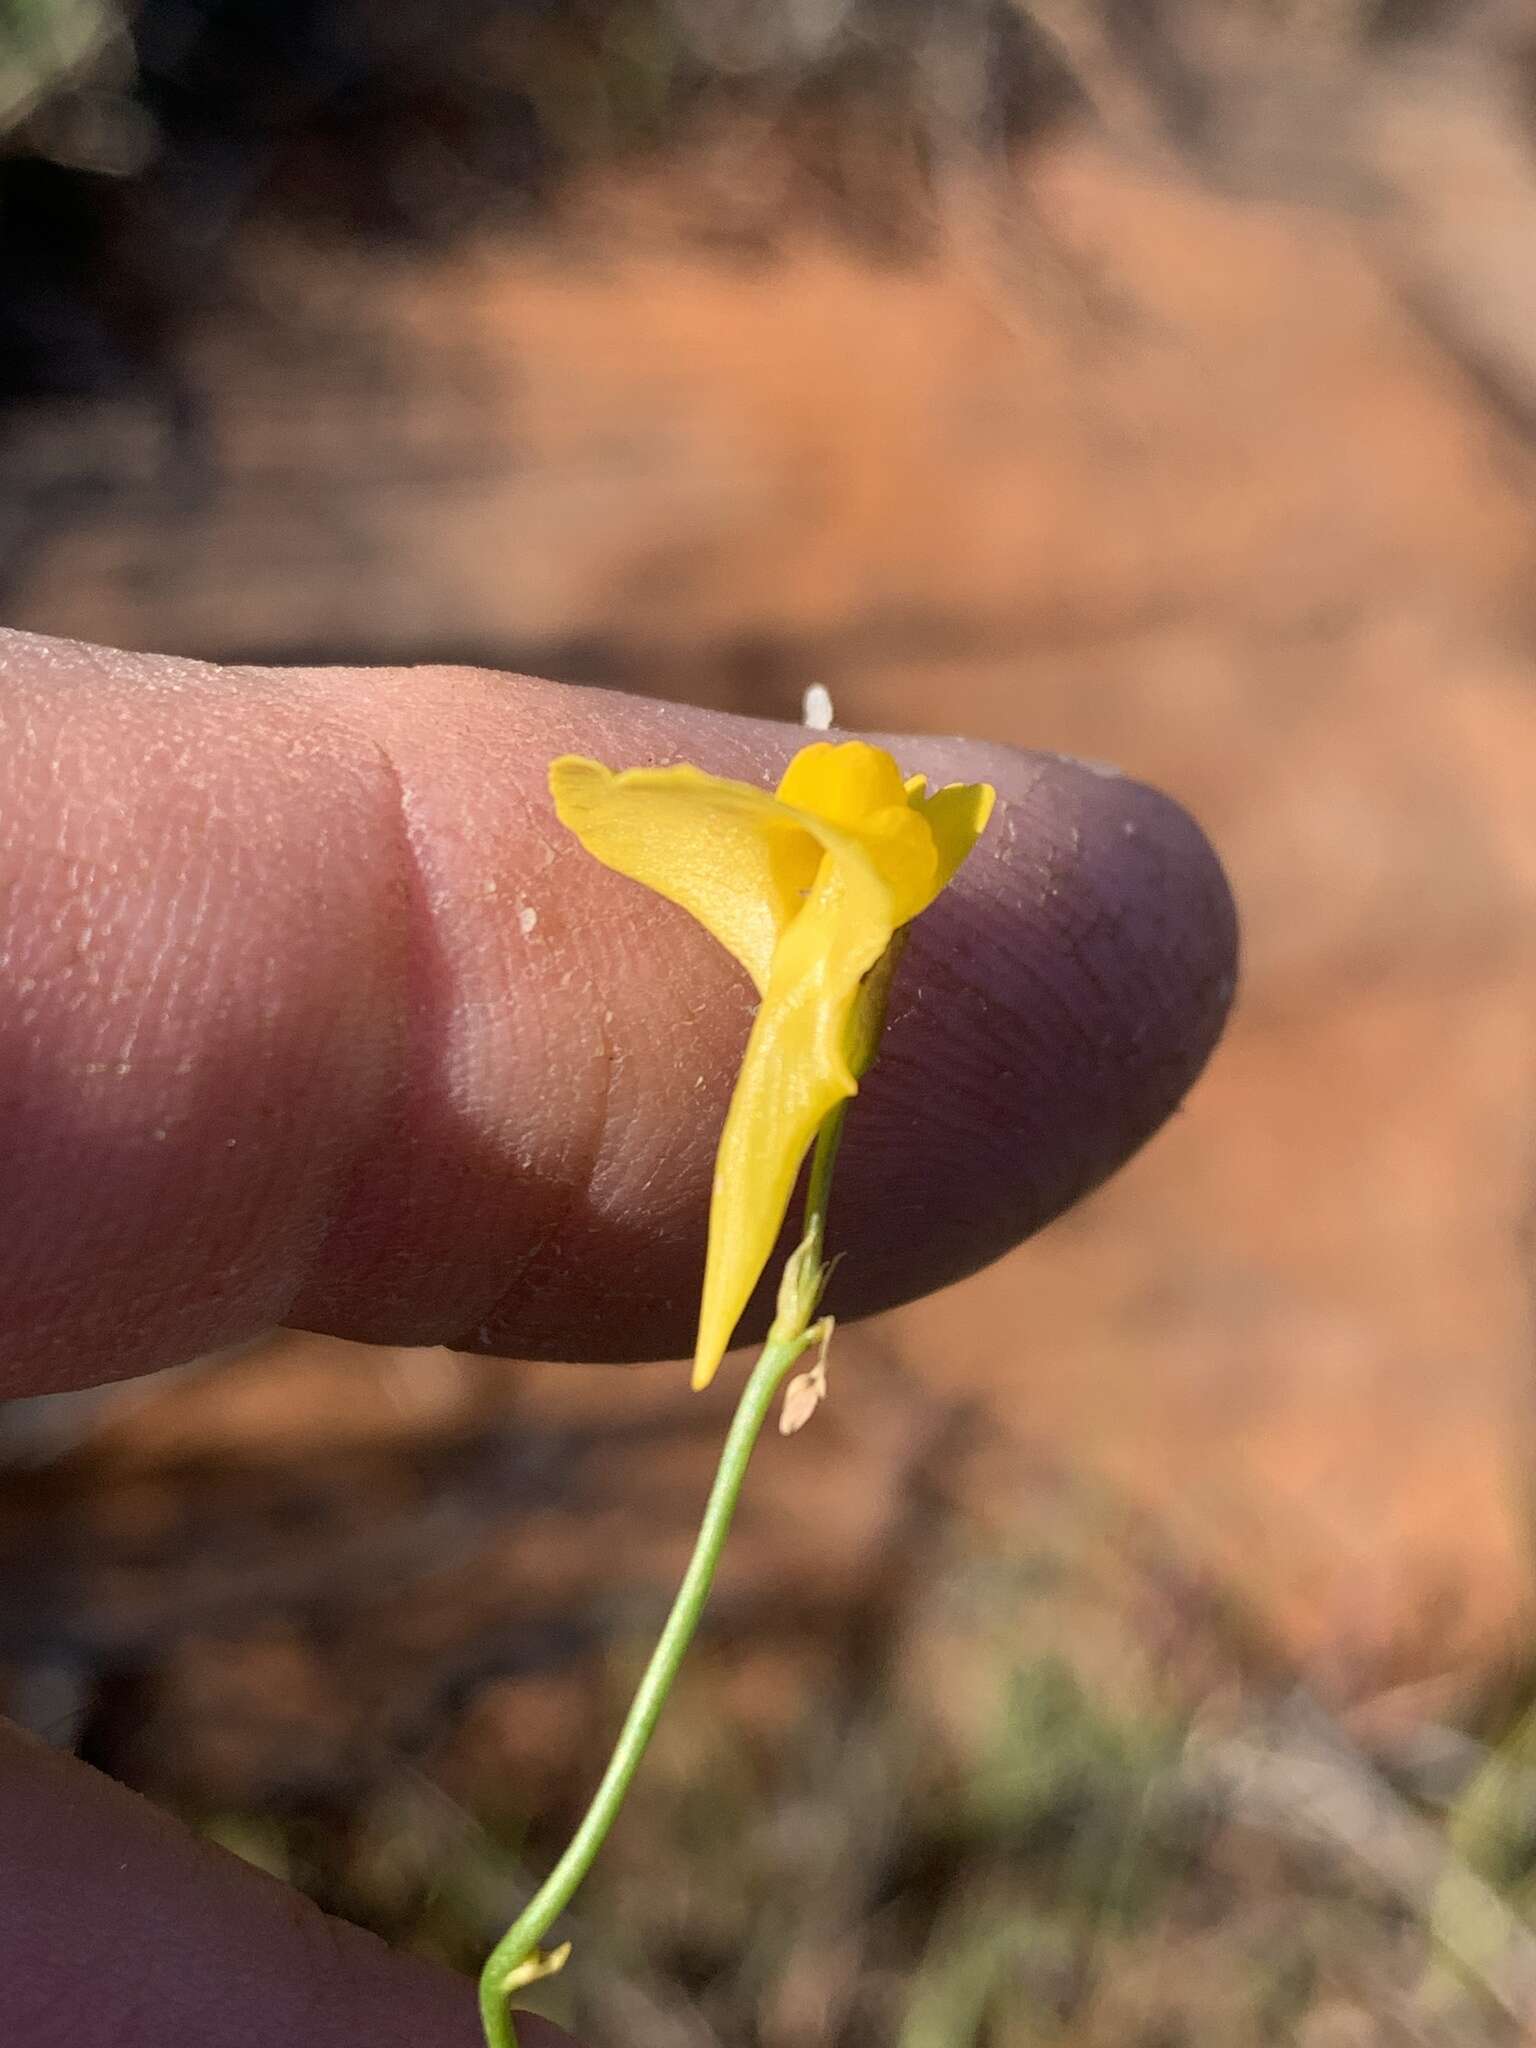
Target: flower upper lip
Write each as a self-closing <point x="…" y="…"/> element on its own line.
<point x="806" y="888"/>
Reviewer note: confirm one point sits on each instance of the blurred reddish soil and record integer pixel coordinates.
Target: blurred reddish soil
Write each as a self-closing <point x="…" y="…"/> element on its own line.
<point x="1154" y="477"/>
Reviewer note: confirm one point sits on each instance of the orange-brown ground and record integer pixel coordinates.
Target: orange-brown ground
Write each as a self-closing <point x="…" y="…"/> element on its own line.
<point x="1231" y="491"/>
<point x="1142" y="474"/>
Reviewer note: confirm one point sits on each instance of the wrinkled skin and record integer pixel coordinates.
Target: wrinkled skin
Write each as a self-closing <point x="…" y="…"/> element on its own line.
<point x="312" y="1014"/>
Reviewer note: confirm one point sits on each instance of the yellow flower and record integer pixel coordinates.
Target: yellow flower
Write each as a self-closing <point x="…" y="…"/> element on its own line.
<point x="806" y="889"/>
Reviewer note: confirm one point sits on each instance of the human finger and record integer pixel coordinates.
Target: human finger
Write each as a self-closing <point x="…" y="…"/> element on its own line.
<point x="119" y="1930"/>
<point x="312" y="1013"/>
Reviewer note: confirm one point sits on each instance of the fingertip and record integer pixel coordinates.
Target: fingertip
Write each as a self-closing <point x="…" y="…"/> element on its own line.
<point x="1056" y="1005"/>
<point x="533" y="2031"/>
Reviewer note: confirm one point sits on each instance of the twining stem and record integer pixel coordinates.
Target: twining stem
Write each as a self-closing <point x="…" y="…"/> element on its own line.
<point x="818" y="1189"/>
<point x="516" y="1958"/>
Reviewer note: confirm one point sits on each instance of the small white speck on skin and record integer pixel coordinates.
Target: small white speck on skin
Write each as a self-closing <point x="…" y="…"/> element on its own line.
<point x="527" y="918"/>
<point x="1130" y="828"/>
<point x="816" y="713"/>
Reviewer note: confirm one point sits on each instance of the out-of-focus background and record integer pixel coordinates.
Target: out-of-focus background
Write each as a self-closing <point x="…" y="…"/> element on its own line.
<point x="1138" y="1649"/>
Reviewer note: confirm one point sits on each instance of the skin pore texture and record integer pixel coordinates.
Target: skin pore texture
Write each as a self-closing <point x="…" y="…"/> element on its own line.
<point x="312" y="1013"/>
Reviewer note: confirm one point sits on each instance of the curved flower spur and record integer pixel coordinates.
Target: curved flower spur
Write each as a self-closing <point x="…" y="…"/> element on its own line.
<point x="810" y="889"/>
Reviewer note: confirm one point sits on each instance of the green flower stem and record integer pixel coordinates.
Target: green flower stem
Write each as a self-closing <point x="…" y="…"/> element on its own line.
<point x="818" y="1190"/>
<point x="516" y="1959"/>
